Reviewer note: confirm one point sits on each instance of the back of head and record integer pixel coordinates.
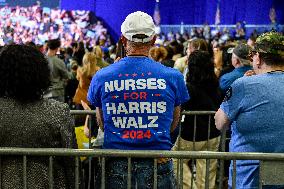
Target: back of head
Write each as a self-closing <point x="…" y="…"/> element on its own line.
<point x="98" y="52"/>
<point x="170" y="52"/>
<point x="24" y="73"/>
<point x="201" y="69"/>
<point x="69" y="51"/>
<point x="53" y="44"/>
<point x="241" y="51"/>
<point x="89" y="58"/>
<point x="270" y="46"/>
<point x="199" y="44"/>
<point x="138" y="27"/>
<point x="89" y="64"/>
<point x="158" y="53"/>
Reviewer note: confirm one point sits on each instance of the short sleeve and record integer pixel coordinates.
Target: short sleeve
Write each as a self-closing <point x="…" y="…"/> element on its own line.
<point x="224" y="83"/>
<point x="232" y="104"/>
<point x="94" y="92"/>
<point x="182" y="93"/>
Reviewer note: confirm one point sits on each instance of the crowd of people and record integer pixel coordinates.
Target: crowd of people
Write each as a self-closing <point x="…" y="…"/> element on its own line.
<point x="139" y="89"/>
<point x="35" y="24"/>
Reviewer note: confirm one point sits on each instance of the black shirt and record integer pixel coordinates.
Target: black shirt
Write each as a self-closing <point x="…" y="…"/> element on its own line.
<point x="201" y="99"/>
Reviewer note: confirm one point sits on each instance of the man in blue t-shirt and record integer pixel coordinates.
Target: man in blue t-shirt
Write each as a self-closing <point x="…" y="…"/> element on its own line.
<point x="138" y="104"/>
<point x="255" y="106"/>
<point x="241" y="63"/>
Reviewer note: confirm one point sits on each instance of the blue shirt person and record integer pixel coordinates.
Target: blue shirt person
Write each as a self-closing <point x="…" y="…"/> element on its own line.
<point x="255" y="106"/>
<point x="241" y="63"/>
<point x="138" y="102"/>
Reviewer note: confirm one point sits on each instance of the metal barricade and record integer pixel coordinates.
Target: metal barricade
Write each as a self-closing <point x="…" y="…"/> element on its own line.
<point x="263" y="157"/>
<point x="266" y="160"/>
<point x="223" y="139"/>
<point x="179" y="163"/>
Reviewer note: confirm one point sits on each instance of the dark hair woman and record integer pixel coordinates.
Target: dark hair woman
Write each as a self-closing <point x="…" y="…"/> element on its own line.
<point x="203" y="87"/>
<point x="29" y="121"/>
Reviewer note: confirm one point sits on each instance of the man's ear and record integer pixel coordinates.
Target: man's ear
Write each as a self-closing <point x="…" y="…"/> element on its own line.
<point x="153" y="40"/>
<point x="123" y="40"/>
<point x="258" y="60"/>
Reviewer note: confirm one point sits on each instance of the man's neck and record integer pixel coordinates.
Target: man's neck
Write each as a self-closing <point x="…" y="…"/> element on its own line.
<point x="267" y="69"/>
<point x="136" y="54"/>
<point x="143" y="51"/>
<point x="51" y="52"/>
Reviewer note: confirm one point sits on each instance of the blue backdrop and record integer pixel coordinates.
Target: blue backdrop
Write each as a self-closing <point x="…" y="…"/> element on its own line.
<point x="25" y="3"/>
<point x="113" y="12"/>
<point x="78" y="5"/>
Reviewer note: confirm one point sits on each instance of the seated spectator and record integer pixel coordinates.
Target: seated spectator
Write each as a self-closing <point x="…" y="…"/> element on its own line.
<point x="205" y="95"/>
<point x="29" y="121"/>
<point x="253" y="108"/>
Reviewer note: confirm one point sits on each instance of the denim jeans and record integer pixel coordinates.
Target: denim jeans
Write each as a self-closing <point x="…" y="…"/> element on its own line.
<point x="142" y="171"/>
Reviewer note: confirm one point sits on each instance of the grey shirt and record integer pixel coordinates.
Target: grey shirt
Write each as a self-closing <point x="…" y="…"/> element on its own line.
<point x="59" y="75"/>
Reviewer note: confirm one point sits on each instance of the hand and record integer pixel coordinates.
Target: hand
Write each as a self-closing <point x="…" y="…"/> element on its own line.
<point x="249" y="73"/>
<point x="117" y="59"/>
<point x="86" y="129"/>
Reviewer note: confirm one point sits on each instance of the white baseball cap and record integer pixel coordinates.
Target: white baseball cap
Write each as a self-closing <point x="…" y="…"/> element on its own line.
<point x="138" y="23"/>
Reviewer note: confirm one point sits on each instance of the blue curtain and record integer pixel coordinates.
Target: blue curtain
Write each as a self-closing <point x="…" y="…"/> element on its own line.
<point x="78" y="5"/>
<point x="113" y="12"/>
<point x="44" y="3"/>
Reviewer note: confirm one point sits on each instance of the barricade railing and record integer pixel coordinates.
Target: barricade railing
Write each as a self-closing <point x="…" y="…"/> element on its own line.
<point x="179" y="162"/>
<point x="277" y="158"/>
<point x="180" y="155"/>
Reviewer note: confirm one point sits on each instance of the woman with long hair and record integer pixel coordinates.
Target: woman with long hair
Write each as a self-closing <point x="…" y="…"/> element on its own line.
<point x="205" y="95"/>
<point x="84" y="76"/>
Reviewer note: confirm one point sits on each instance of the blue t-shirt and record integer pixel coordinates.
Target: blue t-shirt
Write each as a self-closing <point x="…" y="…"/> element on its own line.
<point x="137" y="96"/>
<point x="255" y="106"/>
<point x="227" y="79"/>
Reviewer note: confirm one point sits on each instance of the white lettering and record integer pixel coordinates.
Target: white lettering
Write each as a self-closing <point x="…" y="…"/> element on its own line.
<point x="133" y="107"/>
<point x="111" y="107"/>
<point x="109" y="86"/>
<point x="145" y="106"/>
<point x="130" y="83"/>
<point x="151" y="83"/>
<point x="119" y="122"/>
<point x="117" y="87"/>
<point x="141" y="84"/>
<point x="128" y="122"/>
<point x="121" y="108"/>
<point x="161" y="84"/>
<point x="162" y="107"/>
<point x="131" y="122"/>
<point x="153" y="120"/>
<point x="140" y="123"/>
